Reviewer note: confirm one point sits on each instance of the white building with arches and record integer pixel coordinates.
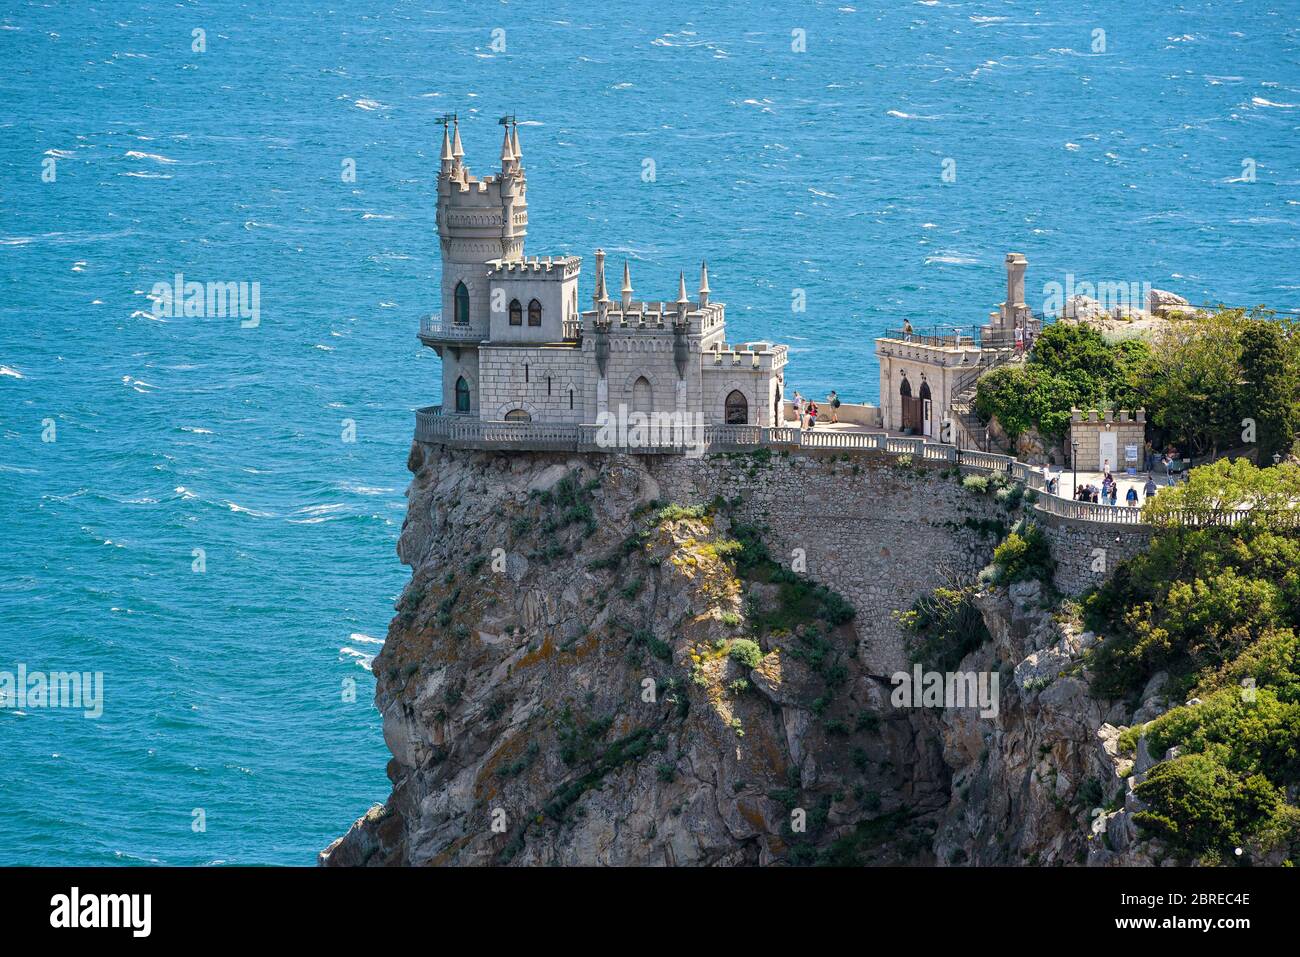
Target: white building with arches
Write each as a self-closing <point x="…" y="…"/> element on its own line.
<point x="516" y="347"/>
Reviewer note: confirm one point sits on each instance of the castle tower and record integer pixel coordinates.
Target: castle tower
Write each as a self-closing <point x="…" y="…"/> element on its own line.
<point x="479" y="221"/>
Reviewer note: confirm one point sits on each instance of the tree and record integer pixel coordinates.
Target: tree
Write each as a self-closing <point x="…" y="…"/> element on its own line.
<point x="1271" y="496"/>
<point x="1194" y="380"/>
<point x="1071" y="366"/>
<point x="1269" y="388"/>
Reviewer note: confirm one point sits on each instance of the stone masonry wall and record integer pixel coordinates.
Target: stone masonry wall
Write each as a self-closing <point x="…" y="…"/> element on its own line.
<point x="878" y="533"/>
<point x="1075" y="545"/>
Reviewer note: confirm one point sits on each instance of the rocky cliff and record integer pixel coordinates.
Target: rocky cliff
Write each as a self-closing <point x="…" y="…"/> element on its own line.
<point x="636" y="660"/>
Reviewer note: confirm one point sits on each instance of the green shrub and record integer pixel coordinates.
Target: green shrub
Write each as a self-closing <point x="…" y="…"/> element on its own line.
<point x="746" y="652"/>
<point x="1024" y="556"/>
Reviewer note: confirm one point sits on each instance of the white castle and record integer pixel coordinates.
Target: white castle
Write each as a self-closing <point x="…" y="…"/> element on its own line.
<point x="516" y="348"/>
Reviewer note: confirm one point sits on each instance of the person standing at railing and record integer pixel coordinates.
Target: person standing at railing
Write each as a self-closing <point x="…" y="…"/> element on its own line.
<point x="907" y="330"/>
<point x="833" y="399"/>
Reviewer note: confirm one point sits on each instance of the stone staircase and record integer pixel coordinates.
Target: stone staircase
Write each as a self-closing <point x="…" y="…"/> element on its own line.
<point x="972" y="433"/>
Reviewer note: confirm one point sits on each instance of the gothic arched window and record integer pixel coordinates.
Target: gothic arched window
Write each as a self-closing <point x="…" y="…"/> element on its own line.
<point x="534" y="313"/>
<point x="905" y="390"/>
<point x="736" y="409"/>
<point x="516" y="313"/>
<point x="462" y="395"/>
<point x="461" y="316"/>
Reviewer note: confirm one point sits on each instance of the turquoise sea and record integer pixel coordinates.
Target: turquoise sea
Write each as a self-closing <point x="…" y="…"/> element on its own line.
<point x="817" y="170"/>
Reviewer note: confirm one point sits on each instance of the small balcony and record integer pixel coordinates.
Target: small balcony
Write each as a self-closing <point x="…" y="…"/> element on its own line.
<point x="434" y="331"/>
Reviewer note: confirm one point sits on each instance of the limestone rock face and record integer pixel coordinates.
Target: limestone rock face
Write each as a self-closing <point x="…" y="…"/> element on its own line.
<point x="1028" y="785"/>
<point x="558" y="687"/>
<point x="562" y="684"/>
<point x="1160" y="301"/>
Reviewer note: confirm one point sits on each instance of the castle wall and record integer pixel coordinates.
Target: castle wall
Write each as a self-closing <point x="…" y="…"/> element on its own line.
<point x="504" y="387"/>
<point x="648" y="354"/>
<point x="555" y="295"/>
<point x="457" y="362"/>
<point x="757" y="385"/>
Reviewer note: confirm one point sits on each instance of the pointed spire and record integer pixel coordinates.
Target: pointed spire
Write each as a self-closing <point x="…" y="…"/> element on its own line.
<point x="704" y="283"/>
<point x="446" y="145"/>
<point x="627" y="287"/>
<point x="681" y="288"/>
<point x="507" y="151"/>
<point x="515" y="146"/>
<point x="457" y="151"/>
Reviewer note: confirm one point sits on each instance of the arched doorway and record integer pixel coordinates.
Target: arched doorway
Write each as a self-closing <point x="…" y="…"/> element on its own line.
<point x="911" y="408"/>
<point x="927" y="409"/>
<point x="643" y="396"/>
<point x="462" y="395"/>
<point x="461" y="315"/>
<point x="736" y="408"/>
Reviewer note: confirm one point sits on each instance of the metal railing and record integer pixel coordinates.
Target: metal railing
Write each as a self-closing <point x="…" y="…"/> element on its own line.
<point x="951" y="340"/>
<point x="433" y="327"/>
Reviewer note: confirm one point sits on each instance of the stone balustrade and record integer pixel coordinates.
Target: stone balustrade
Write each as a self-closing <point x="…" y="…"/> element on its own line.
<point x="467" y="431"/>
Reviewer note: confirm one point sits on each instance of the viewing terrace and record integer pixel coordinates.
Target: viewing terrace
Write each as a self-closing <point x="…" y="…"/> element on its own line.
<point x="469" y="432"/>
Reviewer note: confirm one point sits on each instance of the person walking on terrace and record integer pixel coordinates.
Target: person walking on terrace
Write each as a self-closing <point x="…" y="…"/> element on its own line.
<point x="834" y="400"/>
<point x="907" y="330"/>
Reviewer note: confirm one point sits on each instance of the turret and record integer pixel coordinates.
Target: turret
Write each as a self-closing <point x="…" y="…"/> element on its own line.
<point x="479" y="221"/>
<point x="704" y="284"/>
<point x="627" y="288"/>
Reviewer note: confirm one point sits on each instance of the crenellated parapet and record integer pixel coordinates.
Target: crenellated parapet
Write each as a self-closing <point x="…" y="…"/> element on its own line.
<point x="1113" y="416"/>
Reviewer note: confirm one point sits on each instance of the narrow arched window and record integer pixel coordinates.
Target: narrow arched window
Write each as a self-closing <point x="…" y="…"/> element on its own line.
<point x="643" y="396"/>
<point x="516" y="313"/>
<point x="534" y="313"/>
<point x="462" y="395"/>
<point x="461" y="315"/>
<point x="570" y="398"/>
<point x="548" y="385"/>
<point x="737" y="408"/>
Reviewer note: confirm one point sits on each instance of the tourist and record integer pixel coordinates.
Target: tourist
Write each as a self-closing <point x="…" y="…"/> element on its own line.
<point x="1020" y="339"/>
<point x="798" y="409"/>
<point x="812" y="414"/>
<point x="1150" y="487"/>
<point x="834" y="400"/>
<point x="907" y="330"/>
<point x="1167" y="460"/>
<point x="1131" y="496"/>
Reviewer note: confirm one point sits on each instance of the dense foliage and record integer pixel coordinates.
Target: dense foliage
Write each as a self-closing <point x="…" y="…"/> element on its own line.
<point x="945" y="626"/>
<point x="1217" y="609"/>
<point x="1071" y="365"/>
<point x="1202" y="381"/>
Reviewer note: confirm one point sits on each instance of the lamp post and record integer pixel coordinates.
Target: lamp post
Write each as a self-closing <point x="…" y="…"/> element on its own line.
<point x="1277" y="458"/>
<point x="1074" y="461"/>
